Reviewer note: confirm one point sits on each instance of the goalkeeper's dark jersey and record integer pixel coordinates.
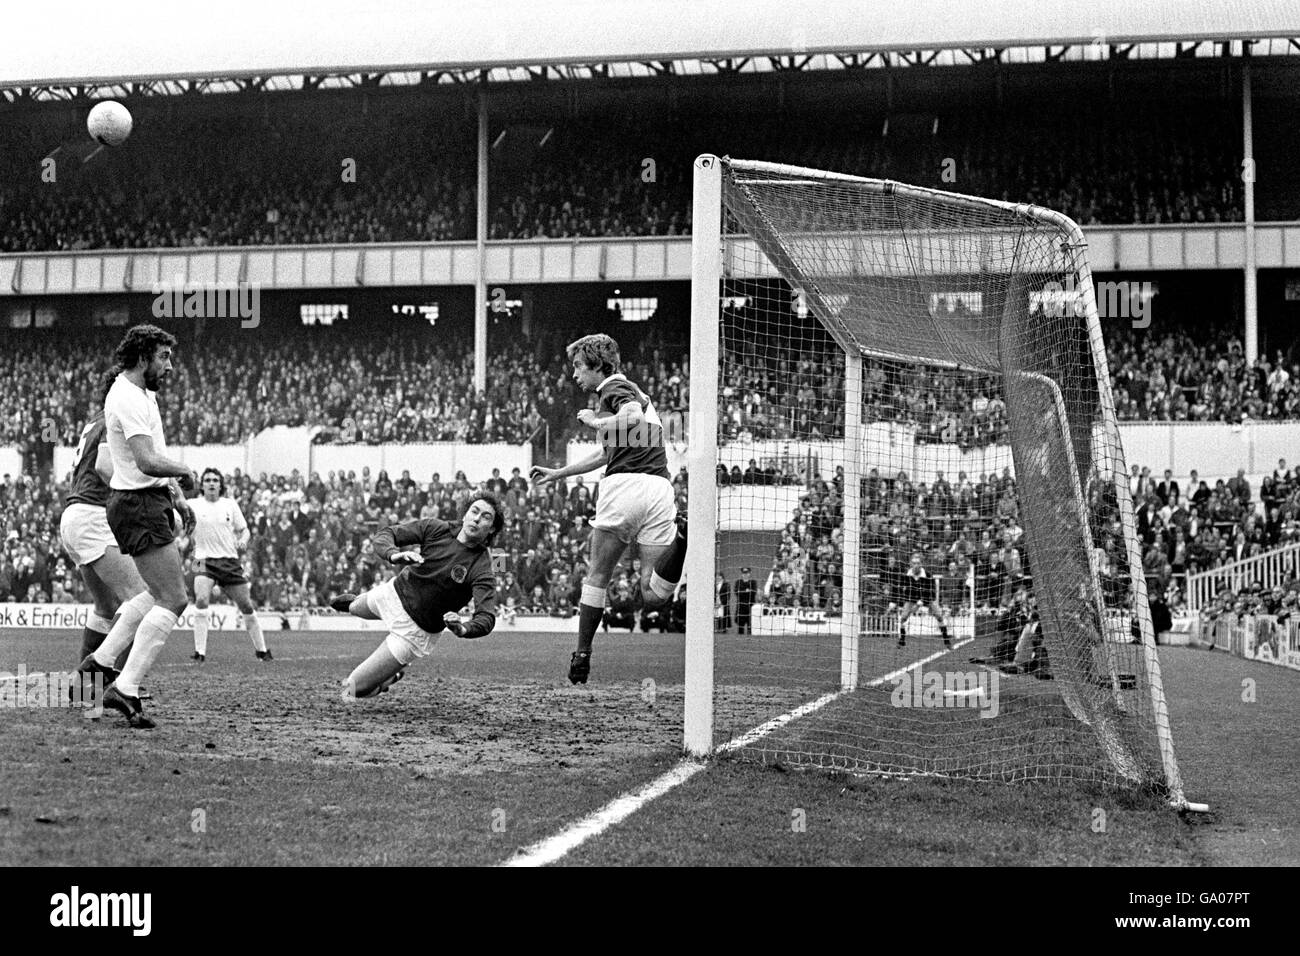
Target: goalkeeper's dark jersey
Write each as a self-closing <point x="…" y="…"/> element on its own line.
<point x="87" y="487"/>
<point x="451" y="574"/>
<point x="638" y="450"/>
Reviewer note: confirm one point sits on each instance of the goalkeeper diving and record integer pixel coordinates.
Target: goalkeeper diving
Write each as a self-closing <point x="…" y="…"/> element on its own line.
<point x="441" y="568"/>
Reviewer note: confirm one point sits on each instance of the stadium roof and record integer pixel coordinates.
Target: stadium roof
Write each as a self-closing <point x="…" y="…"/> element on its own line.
<point x="92" y="44"/>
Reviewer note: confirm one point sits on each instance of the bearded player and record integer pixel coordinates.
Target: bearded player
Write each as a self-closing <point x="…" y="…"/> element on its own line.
<point x="220" y="536"/>
<point x="635" y="502"/>
<point x="441" y="567"/>
<point x="146" y="486"/>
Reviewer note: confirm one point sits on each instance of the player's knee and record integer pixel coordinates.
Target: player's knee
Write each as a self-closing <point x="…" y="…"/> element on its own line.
<point x="174" y="601"/>
<point x="201" y="603"/>
<point x="651" y="599"/>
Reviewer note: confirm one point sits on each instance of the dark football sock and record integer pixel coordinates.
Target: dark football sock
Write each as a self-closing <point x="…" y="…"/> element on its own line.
<point x="669" y="565"/>
<point x="589" y="619"/>
<point x="89" y="641"/>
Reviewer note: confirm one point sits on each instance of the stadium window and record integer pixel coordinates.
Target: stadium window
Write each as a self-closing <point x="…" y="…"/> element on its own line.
<point x="429" y="310"/>
<point x="948" y="303"/>
<point x="113" y="316"/>
<point x="633" y="309"/>
<point x="19" y="317"/>
<point x="315" y="313"/>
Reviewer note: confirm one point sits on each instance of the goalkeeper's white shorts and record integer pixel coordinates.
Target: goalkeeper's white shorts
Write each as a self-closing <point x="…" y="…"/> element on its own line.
<point x="406" y="640"/>
<point x="637" y="507"/>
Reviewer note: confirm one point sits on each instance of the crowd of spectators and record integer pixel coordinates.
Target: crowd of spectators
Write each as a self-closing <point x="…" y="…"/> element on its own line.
<point x="969" y="533"/>
<point x="310" y="537"/>
<point x="957" y="525"/>
<point x="393" y="174"/>
<point x="389" y="386"/>
<point x="784" y="392"/>
<point x="1204" y="377"/>
<point x="240" y="181"/>
<point x="1282" y="601"/>
<point x="375" y="387"/>
<point x="386" y="386"/>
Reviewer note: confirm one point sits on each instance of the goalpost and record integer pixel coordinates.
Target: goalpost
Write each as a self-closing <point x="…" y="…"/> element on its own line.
<point x="934" y="362"/>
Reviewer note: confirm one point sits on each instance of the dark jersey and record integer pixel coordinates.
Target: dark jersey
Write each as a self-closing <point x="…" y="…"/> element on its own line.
<point x="450" y="575"/>
<point x="916" y="586"/>
<point x="638" y="450"/>
<point x="87" y="487"/>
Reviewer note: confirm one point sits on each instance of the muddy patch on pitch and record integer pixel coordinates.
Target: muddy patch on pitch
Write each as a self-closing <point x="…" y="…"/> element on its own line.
<point x="435" y="725"/>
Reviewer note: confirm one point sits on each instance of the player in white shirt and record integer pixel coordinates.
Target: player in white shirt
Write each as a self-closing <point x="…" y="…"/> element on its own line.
<point x="146" y="486"/>
<point x="220" y="536"/>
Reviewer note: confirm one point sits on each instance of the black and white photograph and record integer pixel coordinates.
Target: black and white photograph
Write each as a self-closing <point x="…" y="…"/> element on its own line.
<point x="648" y="433"/>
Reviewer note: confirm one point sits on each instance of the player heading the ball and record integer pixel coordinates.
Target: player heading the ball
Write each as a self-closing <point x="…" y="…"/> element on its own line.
<point x="635" y="501"/>
<point x="441" y="569"/>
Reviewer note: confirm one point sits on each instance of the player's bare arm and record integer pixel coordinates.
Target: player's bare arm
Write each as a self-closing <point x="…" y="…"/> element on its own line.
<point x="626" y="418"/>
<point x="157" y="465"/>
<point x="542" y="476"/>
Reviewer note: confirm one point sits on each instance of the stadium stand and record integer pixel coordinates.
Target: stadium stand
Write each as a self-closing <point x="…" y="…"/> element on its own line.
<point x="310" y="535"/>
<point x="392" y="386"/>
<point x="237" y="181"/>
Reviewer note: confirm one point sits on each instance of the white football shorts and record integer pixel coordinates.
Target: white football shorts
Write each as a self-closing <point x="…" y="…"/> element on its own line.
<point x="406" y="640"/>
<point x="85" y="533"/>
<point x="637" y="507"/>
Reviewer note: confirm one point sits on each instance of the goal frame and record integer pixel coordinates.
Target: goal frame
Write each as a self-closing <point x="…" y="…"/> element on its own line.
<point x="709" y="266"/>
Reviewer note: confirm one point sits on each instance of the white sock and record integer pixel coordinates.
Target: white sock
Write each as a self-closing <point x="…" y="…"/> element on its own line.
<point x="255" y="631"/>
<point x="660" y="587"/>
<point x="149" y="641"/>
<point x="129" y="616"/>
<point x="201" y="631"/>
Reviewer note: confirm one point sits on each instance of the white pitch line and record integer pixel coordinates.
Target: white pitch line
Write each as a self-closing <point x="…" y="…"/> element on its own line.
<point x="894" y="675"/>
<point x="556" y="847"/>
<point x="571" y="837"/>
<point x="619" y="809"/>
<point x="776" y="723"/>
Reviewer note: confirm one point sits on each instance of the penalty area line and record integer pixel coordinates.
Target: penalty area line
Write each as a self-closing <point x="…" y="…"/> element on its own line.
<point x="620" y="808"/>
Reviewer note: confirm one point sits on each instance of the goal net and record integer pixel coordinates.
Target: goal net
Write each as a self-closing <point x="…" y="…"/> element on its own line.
<point x="924" y="534"/>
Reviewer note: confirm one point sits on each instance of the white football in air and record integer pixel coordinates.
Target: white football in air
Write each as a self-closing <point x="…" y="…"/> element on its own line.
<point x="109" y="123"/>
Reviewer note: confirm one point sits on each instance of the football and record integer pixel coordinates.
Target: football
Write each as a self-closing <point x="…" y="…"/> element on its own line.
<point x="109" y="123"/>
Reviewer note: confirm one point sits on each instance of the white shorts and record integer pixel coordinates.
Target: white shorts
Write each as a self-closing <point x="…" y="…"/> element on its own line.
<point x="85" y="533"/>
<point x="406" y="640"/>
<point x="637" y="507"/>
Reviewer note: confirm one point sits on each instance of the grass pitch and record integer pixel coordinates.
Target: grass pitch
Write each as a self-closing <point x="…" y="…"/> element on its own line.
<point x="485" y="748"/>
